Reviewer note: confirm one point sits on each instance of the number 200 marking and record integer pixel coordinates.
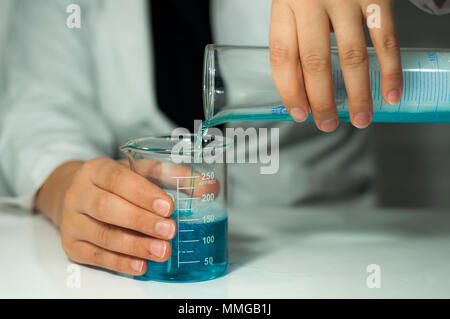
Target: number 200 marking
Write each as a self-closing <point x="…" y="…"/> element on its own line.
<point x="208" y="197"/>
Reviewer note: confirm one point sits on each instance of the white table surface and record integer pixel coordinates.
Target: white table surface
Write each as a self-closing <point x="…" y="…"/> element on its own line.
<point x="289" y="253"/>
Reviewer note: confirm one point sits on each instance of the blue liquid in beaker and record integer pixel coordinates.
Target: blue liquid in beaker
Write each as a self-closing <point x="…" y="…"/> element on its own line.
<point x="199" y="251"/>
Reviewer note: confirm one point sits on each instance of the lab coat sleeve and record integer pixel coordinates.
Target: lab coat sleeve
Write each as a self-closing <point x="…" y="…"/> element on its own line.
<point x="52" y="112"/>
<point x="438" y="7"/>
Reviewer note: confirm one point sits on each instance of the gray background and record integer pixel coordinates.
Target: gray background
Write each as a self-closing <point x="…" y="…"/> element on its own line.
<point x="5" y="16"/>
<point x="413" y="160"/>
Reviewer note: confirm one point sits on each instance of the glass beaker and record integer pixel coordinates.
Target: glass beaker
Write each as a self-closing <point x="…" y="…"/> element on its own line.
<point x="183" y="168"/>
<point x="238" y="86"/>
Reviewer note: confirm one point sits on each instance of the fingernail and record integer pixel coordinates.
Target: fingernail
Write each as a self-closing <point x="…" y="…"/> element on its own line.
<point x="329" y="125"/>
<point x="165" y="229"/>
<point x="394" y="97"/>
<point x="137" y="265"/>
<point x="298" y="114"/>
<point x="158" y="249"/>
<point x="362" y="120"/>
<point x="161" y="207"/>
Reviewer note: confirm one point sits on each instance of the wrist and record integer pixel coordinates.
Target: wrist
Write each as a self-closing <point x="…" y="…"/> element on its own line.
<point x="49" y="199"/>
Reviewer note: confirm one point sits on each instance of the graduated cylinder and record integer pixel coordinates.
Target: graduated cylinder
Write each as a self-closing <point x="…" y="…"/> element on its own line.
<point x="238" y="85"/>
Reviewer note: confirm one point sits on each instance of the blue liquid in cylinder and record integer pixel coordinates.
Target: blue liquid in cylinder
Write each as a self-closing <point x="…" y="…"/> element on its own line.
<point x="199" y="250"/>
<point x="425" y="96"/>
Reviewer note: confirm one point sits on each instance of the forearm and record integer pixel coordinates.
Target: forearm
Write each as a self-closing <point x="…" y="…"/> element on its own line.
<point x="50" y="197"/>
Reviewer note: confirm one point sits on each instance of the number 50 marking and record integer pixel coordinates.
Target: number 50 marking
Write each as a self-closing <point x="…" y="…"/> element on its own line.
<point x="208" y="261"/>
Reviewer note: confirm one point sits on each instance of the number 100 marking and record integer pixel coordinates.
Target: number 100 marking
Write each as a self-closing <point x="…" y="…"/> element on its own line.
<point x="208" y="239"/>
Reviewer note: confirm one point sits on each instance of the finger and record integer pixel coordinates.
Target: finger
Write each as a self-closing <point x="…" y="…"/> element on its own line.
<point x="124" y="162"/>
<point x="353" y="60"/>
<point x="285" y="61"/>
<point x="384" y="38"/>
<point x="177" y="176"/>
<point x="115" y="178"/>
<point x="89" y="254"/>
<point x="315" y="54"/>
<point x="114" y="210"/>
<point x="120" y="240"/>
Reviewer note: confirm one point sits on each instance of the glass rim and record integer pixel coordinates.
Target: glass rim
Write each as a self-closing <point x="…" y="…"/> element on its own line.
<point x="131" y="143"/>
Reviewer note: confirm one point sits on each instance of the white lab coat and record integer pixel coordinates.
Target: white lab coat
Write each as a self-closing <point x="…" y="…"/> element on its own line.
<point x="80" y="93"/>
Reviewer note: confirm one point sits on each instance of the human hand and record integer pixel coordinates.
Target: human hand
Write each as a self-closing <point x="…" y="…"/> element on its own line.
<point x="111" y="217"/>
<point x="115" y="219"/>
<point x="301" y="62"/>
